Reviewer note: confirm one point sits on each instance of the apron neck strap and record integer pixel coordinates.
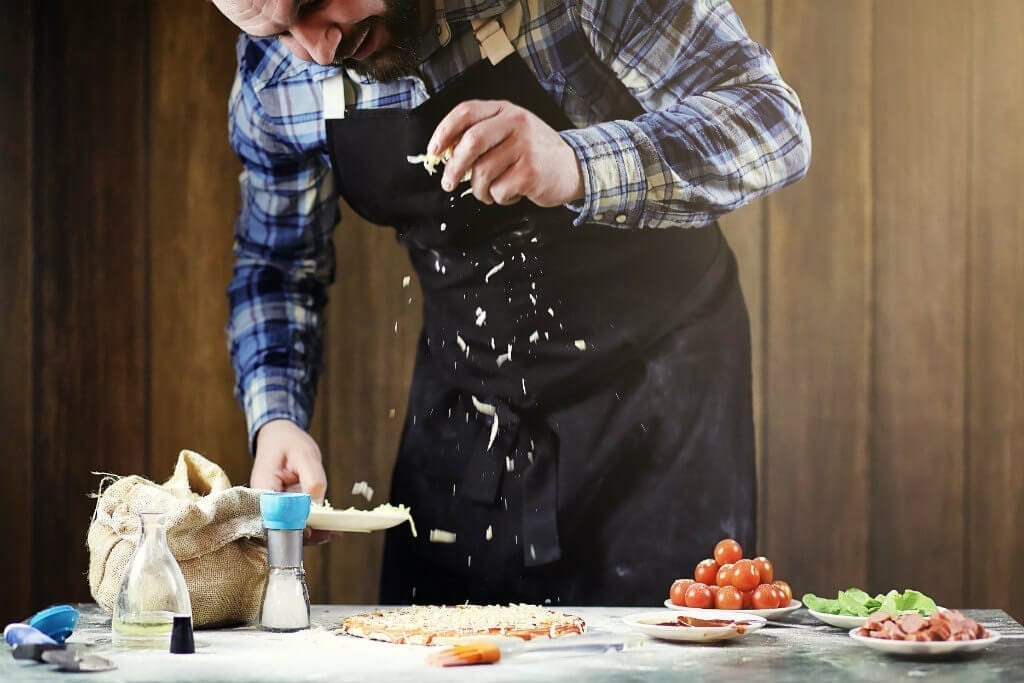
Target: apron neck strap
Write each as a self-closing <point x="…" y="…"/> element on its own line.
<point x="496" y="34"/>
<point x="441" y="27"/>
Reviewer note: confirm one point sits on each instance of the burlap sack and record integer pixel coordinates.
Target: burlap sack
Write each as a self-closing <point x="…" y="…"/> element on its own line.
<point x="214" y="530"/>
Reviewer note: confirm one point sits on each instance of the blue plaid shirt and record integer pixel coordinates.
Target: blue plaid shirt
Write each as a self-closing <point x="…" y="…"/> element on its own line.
<point x="720" y="128"/>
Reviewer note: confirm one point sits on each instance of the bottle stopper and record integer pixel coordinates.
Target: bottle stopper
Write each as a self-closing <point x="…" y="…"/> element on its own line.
<point x="182" y="642"/>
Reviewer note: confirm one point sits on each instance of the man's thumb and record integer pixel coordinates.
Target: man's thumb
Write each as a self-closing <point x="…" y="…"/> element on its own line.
<point x="313" y="481"/>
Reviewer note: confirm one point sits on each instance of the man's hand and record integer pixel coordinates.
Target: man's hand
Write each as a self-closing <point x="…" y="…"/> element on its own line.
<point x="512" y="153"/>
<point x="288" y="459"/>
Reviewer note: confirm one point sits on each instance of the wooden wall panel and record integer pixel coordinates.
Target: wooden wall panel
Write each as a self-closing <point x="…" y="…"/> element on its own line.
<point x="90" y="207"/>
<point x="369" y="367"/>
<point x="745" y="230"/>
<point x="817" y="323"/>
<point x="994" y="545"/>
<point x="193" y="202"/>
<point x="16" y="336"/>
<point x="920" y="124"/>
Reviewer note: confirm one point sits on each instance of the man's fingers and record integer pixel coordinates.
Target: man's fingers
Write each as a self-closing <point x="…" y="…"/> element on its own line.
<point x="461" y="117"/>
<point x="475" y="142"/>
<point x="317" y="536"/>
<point x="496" y="164"/>
<point x="311" y="477"/>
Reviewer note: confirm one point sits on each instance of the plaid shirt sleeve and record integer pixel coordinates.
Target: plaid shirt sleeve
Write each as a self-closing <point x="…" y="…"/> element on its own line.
<point x="721" y="127"/>
<point x="284" y="259"/>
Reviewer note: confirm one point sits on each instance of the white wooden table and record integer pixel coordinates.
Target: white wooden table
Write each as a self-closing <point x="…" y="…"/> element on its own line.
<point x="772" y="654"/>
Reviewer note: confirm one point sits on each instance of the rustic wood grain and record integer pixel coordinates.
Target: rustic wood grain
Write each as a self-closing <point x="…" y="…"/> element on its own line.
<point x="315" y="557"/>
<point x="16" y="333"/>
<point x="920" y="123"/>
<point x="193" y="202"/>
<point x="369" y="366"/>
<point x="90" y="207"/>
<point x="745" y="230"/>
<point x="817" y="317"/>
<point x="994" y="546"/>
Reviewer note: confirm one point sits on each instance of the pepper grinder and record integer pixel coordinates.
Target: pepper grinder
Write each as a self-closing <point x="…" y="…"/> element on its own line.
<point x="285" y="598"/>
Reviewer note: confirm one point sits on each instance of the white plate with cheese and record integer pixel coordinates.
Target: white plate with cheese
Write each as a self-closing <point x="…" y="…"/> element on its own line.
<point x="356" y="520"/>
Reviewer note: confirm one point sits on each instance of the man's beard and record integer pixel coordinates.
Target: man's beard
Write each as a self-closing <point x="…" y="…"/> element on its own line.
<point x="399" y="58"/>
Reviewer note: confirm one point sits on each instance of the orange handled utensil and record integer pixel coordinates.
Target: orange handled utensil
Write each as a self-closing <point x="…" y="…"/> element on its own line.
<point x="472" y="652"/>
<point x="489" y="651"/>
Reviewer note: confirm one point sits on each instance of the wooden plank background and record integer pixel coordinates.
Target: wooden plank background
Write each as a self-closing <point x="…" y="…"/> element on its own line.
<point x="16" y="296"/>
<point x="886" y="295"/>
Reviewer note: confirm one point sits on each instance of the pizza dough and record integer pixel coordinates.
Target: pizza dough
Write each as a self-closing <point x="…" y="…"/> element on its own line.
<point x="433" y="625"/>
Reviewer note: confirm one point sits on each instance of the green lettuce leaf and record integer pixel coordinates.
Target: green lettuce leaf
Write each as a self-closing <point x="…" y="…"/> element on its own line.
<point x="855" y="602"/>
<point x="823" y="605"/>
<point x="909" y="601"/>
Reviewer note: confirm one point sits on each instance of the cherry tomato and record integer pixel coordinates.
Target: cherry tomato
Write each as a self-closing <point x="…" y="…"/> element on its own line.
<point x="782" y="595"/>
<point x="765" y="569"/>
<point x="786" y="591"/>
<point x="745" y="575"/>
<point x="724" y="575"/>
<point x="748" y="599"/>
<point x="714" y="591"/>
<point x="765" y="597"/>
<point x="705" y="571"/>
<point x="698" y="595"/>
<point x="678" y="590"/>
<point x="728" y="598"/>
<point x="728" y="551"/>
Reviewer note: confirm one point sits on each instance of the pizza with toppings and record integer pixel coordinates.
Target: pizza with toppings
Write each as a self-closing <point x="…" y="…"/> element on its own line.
<point x="432" y="625"/>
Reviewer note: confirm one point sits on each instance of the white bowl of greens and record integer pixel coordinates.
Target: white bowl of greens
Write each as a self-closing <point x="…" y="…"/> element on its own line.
<point x="852" y="607"/>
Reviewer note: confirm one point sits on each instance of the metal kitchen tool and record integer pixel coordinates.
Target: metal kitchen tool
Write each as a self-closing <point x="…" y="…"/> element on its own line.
<point x="285" y="598"/>
<point x="28" y="642"/>
<point x="67" y="660"/>
<point x="488" y="650"/>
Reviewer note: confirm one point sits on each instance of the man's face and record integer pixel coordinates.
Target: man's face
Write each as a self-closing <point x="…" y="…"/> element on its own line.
<point x="374" y="37"/>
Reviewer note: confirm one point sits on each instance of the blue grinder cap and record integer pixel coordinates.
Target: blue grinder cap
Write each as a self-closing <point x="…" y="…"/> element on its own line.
<point x="58" y="621"/>
<point x="284" y="510"/>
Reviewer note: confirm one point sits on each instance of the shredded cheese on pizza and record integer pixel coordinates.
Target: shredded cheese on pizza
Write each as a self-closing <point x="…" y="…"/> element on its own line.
<point x="434" y="625"/>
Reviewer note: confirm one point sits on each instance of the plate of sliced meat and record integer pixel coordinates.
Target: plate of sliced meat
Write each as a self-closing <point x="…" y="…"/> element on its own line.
<point x="944" y="633"/>
<point x="695" y="625"/>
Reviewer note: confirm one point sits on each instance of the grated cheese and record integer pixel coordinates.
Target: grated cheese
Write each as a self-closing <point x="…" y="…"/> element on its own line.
<point x="442" y="536"/>
<point x="361" y="488"/>
<point x="493" y="270"/>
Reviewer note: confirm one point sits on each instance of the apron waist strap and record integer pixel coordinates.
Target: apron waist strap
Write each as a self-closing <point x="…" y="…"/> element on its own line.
<point x="514" y="434"/>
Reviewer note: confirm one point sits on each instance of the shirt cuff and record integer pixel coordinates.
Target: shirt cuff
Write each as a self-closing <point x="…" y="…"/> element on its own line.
<point x="271" y="396"/>
<point x="614" y="178"/>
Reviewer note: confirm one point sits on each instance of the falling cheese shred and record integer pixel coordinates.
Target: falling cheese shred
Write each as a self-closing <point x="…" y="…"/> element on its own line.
<point x="361" y="488"/>
<point x="490" y="411"/>
<point x="441" y="536"/>
<point x="493" y="270"/>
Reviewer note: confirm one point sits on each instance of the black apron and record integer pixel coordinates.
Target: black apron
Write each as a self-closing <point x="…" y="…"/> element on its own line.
<point x="616" y="362"/>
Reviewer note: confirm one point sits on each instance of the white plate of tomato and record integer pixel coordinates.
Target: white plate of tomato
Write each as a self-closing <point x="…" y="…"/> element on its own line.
<point x="729" y="582"/>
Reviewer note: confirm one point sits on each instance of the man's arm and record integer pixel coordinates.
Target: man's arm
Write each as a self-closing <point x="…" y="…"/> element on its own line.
<point x="283" y="263"/>
<point x="721" y="128"/>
